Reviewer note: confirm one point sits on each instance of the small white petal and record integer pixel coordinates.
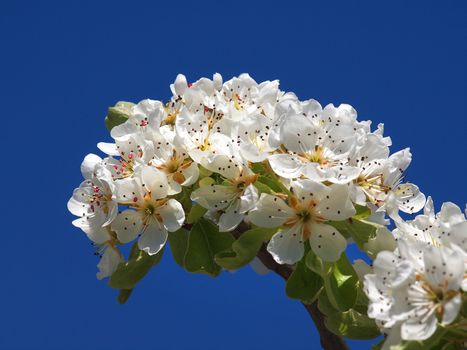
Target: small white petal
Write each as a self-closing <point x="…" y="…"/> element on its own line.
<point x="88" y="165"/>
<point x="108" y="148"/>
<point x="231" y="218"/>
<point x="285" y="165"/>
<point x="191" y="174"/>
<point x="108" y="262"/>
<point x="327" y="242"/>
<point x="153" y="238"/>
<point x="127" y="225"/>
<point x="414" y="330"/>
<point x="215" y="197"/>
<point x="172" y="215"/>
<point x="180" y="85"/>
<point x="155" y="181"/>
<point x="336" y="205"/>
<point x="451" y="309"/>
<point x="286" y="247"/>
<point x="270" y="211"/>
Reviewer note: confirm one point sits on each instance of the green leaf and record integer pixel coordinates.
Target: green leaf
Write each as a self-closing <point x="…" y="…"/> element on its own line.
<point x="269" y="182"/>
<point x="118" y="114"/>
<point x="129" y="273"/>
<point x="303" y="284"/>
<point x="184" y="198"/>
<point x="362" y="212"/>
<point x="313" y="262"/>
<point x="258" y="168"/>
<point x="341" y="283"/>
<point x="244" y="249"/>
<point x="203" y="172"/>
<point x="353" y="323"/>
<point x="262" y="188"/>
<point x="123" y="295"/>
<point x="196" y="212"/>
<point x="359" y="230"/>
<point x="204" y="242"/>
<point x="178" y="242"/>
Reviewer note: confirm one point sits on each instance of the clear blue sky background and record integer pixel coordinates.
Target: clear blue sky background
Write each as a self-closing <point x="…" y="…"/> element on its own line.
<point x="63" y="63"/>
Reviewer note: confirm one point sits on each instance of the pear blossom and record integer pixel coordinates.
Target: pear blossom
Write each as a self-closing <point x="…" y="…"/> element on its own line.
<point x="93" y="201"/>
<point x="236" y="197"/>
<point x="415" y="289"/>
<point x="94" y="204"/>
<point x="303" y="216"/>
<point x="446" y="228"/>
<point x="316" y="143"/>
<point x="152" y="214"/>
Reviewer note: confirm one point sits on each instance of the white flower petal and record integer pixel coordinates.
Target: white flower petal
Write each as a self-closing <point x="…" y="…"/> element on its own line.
<point x="108" y="262"/>
<point x="415" y="330"/>
<point x="451" y="213"/>
<point x="153" y="238"/>
<point x="252" y="153"/>
<point x="286" y="247"/>
<point x="215" y="197"/>
<point x="248" y="199"/>
<point x="285" y="165"/>
<point x="231" y="218"/>
<point x="451" y="309"/>
<point x="108" y="148"/>
<point x="129" y="190"/>
<point x="127" y="225"/>
<point x="410" y="199"/>
<point x="172" y="215"/>
<point x="180" y="85"/>
<point x="88" y="165"/>
<point x="155" y="181"/>
<point x="336" y="205"/>
<point x="191" y="174"/>
<point x="299" y="134"/>
<point x="327" y="242"/>
<point x="443" y="265"/>
<point x="270" y="211"/>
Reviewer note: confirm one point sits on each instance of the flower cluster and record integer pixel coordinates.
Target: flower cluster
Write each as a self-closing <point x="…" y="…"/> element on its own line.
<point x="421" y="282"/>
<point x="247" y="152"/>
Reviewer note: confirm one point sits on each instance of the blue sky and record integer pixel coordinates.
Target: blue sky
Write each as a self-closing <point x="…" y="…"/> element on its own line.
<point x="62" y="64"/>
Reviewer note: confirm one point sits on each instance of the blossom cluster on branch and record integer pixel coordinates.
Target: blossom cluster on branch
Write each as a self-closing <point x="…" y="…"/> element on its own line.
<point x="225" y="167"/>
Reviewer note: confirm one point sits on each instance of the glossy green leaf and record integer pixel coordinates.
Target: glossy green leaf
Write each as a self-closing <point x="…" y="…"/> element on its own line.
<point x="362" y="212"/>
<point x="359" y="230"/>
<point x="314" y="262"/>
<point x="184" y="198"/>
<point x="123" y="295"/>
<point x="258" y="168"/>
<point x="178" y="242"/>
<point x="204" y="242"/>
<point x="196" y="212"/>
<point x="269" y="182"/>
<point x="303" y="284"/>
<point x="118" y="114"/>
<point x="203" y="172"/>
<point x="341" y="283"/>
<point x="129" y="273"/>
<point x="244" y="249"/>
<point x="262" y="188"/>
<point x="353" y="323"/>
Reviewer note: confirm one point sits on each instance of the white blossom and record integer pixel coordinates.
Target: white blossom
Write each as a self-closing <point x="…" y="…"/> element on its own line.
<point x="303" y="216"/>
